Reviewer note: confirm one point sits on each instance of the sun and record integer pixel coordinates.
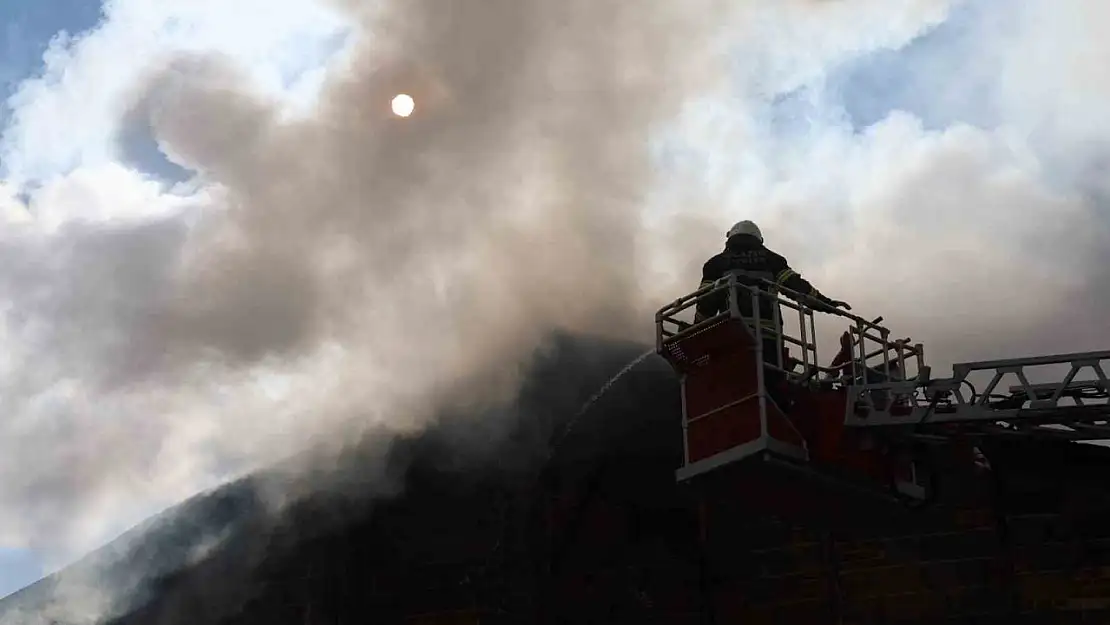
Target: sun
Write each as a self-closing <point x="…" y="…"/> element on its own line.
<point x="403" y="105"/>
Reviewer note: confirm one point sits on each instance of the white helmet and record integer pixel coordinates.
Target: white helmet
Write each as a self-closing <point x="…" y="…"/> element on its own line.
<point x="745" y="227"/>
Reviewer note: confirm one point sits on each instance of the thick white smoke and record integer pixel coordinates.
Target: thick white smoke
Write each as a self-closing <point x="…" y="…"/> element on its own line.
<point x="569" y="166"/>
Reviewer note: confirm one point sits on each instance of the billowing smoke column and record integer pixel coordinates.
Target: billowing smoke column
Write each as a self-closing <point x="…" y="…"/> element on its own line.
<point x="568" y="166"/>
<point x="395" y="267"/>
<point x="443" y="247"/>
<point x="344" y="269"/>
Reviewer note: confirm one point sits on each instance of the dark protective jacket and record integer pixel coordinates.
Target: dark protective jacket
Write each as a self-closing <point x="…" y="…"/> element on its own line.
<point x="747" y="254"/>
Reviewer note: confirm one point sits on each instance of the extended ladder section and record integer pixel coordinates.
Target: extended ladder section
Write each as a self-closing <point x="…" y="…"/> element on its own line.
<point x="1070" y="400"/>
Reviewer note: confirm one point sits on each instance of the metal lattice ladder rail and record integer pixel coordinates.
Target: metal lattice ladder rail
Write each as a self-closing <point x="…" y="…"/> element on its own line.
<point x="1063" y="405"/>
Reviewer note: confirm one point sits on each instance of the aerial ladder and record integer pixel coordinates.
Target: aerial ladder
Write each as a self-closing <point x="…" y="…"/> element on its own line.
<point x="866" y="419"/>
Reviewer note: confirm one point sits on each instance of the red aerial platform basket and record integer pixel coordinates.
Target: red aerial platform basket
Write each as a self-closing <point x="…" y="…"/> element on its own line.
<point x="777" y="435"/>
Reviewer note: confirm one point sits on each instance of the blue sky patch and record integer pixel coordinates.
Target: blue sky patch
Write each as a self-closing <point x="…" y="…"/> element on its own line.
<point x="18" y="568"/>
<point x="28" y="26"/>
<point x="928" y="78"/>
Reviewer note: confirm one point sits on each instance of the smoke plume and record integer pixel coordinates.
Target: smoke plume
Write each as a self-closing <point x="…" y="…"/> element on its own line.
<point x="345" y="269"/>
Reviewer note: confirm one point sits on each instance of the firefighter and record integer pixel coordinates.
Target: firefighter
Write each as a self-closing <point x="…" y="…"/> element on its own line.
<point x="744" y="252"/>
<point x="746" y="255"/>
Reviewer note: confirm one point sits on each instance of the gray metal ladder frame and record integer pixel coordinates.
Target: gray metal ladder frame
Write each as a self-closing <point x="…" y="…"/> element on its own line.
<point x="1026" y="408"/>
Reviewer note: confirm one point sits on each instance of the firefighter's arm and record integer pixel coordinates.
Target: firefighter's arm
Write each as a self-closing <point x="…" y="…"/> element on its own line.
<point x="792" y="280"/>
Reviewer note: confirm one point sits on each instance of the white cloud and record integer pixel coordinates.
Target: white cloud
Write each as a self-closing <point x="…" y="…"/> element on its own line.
<point x="99" y="194"/>
<point x="786" y="45"/>
<point x="83" y="209"/>
<point x="980" y="241"/>
<point x="67" y="118"/>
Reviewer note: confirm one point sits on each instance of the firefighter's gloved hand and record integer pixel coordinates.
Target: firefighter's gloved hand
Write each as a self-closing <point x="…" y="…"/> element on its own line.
<point x="839" y="304"/>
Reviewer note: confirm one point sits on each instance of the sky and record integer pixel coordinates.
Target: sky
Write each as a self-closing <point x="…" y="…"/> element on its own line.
<point x="217" y="245"/>
<point x="28" y="29"/>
